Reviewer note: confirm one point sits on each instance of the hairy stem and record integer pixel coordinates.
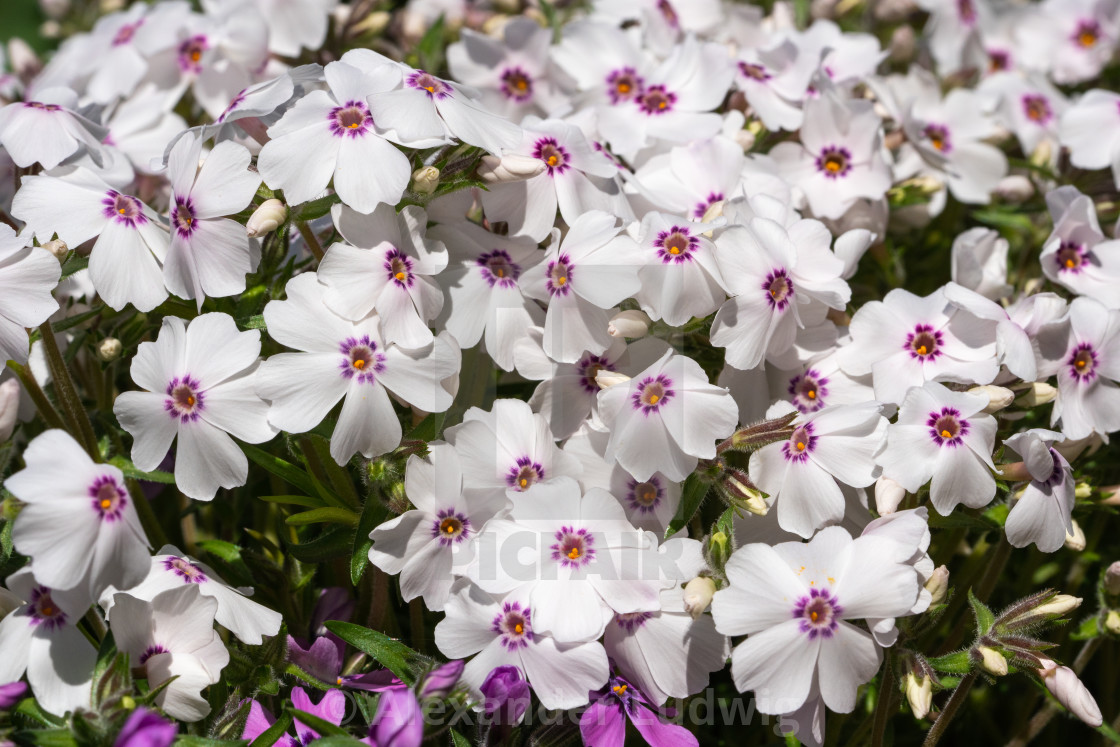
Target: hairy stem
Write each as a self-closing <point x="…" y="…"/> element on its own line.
<point x="950" y="710"/>
<point x="80" y="426"/>
<point x="38" y="396"/>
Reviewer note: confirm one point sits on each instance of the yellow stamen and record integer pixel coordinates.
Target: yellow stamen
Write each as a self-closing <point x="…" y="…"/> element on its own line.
<point x="120" y="210"/>
<point x="400" y="276"/>
<point x="573" y="553"/>
<point x="553" y="160"/>
<point x="561" y="280"/>
<point x="500" y="273"/>
<point x="524" y="482"/>
<point x="674" y="250"/>
<point x="106" y="503"/>
<point x="624" y="88"/>
<point x="519" y="628"/>
<point x="1080" y="363"/>
<point x="946" y="434"/>
<point x="338" y="681"/>
<point x="619" y="689"/>
<point x="359" y="364"/>
<point x="430" y="89"/>
<point x="832" y="164"/>
<point x="653" y="399"/>
<point x="47" y="611"/>
<point x="814" y="615"/>
<point x="1087" y="39"/>
<point x="811" y="394"/>
<point x="190" y="400"/>
<point x="922" y="350"/>
<point x="197" y="55"/>
<point x="801" y="446"/>
<point x="353" y="126"/>
<point x="1069" y="263"/>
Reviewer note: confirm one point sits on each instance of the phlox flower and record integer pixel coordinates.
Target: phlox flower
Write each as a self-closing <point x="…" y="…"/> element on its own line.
<point x="794" y="601"/>
<point x="27" y="277"/>
<point x="910" y="530"/>
<point x="1041" y="515"/>
<point x="604" y="722"/>
<point x="48" y="129"/>
<point x="943" y="436"/>
<point x="681" y="278"/>
<point x="199" y="381"/>
<point x="209" y="254"/>
<point x="1088" y="395"/>
<point x="1029" y="106"/>
<point x="340" y="359"/>
<point x="79" y="525"/>
<point x="1086" y="129"/>
<point x="666" y="418"/>
<point x="979" y="262"/>
<point x="663" y="22"/>
<point x="774" y="81"/>
<point x="331" y="708"/>
<point x="386" y="266"/>
<point x="605" y="62"/>
<point x="431" y="544"/>
<point x="1079" y="37"/>
<point x="296" y="25"/>
<point x="172" y="636"/>
<point x="1077" y="255"/>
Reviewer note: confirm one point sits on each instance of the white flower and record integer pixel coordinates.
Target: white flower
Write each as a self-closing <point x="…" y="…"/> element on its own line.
<point x="1087" y="130"/>
<point x="1076" y="255"/>
<point x="1071" y="692"/>
<point x="27" y="277"/>
<point x="979" y="262"/>
<point x="1041" y="515"/>
<point x="680" y="277"/>
<point x="200" y="384"/>
<point x="79" y="524"/>
<point x="172" y="636"/>
<point x="47" y="130"/>
<point x="1088" y="395"/>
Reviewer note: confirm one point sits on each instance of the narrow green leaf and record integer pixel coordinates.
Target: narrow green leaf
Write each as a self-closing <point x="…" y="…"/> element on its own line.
<point x="326" y="515"/>
<point x="336" y="542"/>
<point x="1089" y="628"/>
<point x="985" y="618"/>
<point x="459" y="740"/>
<point x="254" y="322"/>
<point x="129" y="469"/>
<point x="317" y="208"/>
<point x="46" y="738"/>
<point x="73" y="321"/>
<point x="954" y="663"/>
<point x="76" y="263"/>
<point x="269" y="736"/>
<point x="324" y="727"/>
<point x="692" y="495"/>
<point x="390" y="653"/>
<point x="293" y="500"/>
<point x="283" y="469"/>
<point x="373" y="513"/>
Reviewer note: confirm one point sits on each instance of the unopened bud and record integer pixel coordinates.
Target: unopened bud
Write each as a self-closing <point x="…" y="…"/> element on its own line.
<point x="992" y="661"/>
<point x="50" y="29"/>
<point x="919" y="693"/>
<point x="23" y="60"/>
<point x="1076" y="540"/>
<point x="1015" y="188"/>
<point x="1039" y="393"/>
<point x="55" y="9"/>
<point x="719" y="549"/>
<point x="998" y="397"/>
<point x="1043" y="154"/>
<point x="1112" y="622"/>
<point x="1082" y="490"/>
<point x="888" y="495"/>
<point x="425" y="180"/>
<point x="1014" y="472"/>
<point x="938" y="585"/>
<point x="109" y="349"/>
<point x="631" y="324"/>
<point x="715" y="210"/>
<point x="745" y="139"/>
<point x="267" y="218"/>
<point x="1112" y="578"/>
<point x="605" y="378"/>
<point x="698" y="595"/>
<point x="902" y="46"/>
<point x="1065" y="686"/>
<point x="58" y="248"/>
<point x="373" y="24"/>
<point x="742" y="495"/>
<point x="509" y="168"/>
<point x="9" y="408"/>
<point x="1058" y="605"/>
<point x="128" y="702"/>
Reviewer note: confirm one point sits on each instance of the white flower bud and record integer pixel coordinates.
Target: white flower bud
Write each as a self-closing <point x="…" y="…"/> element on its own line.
<point x="266" y="218"/>
<point x="1071" y="692"/>
<point x="938" y="585"/>
<point x="22" y="59"/>
<point x="745" y="139"/>
<point x="747" y="497"/>
<point x="9" y="408"/>
<point x="992" y="661"/>
<point x="109" y="349"/>
<point x="888" y="494"/>
<point x="58" y="248"/>
<point x="919" y="693"/>
<point x="1082" y="490"/>
<point x="1059" y="605"/>
<point x="1040" y="393"/>
<point x="1043" y="154"/>
<point x="1076" y="541"/>
<point x="998" y="397"/>
<point x="50" y="29"/>
<point x="55" y="9"/>
<point x="373" y="24"/>
<point x="1112" y="622"/>
<point x="698" y="595"/>
<point x="715" y="210"/>
<point x="632" y="324"/>
<point x="425" y="180"/>
<point x="1015" y="188"/>
<point x="902" y="46"/>
<point x="1112" y="578"/>
<point x="509" y="168"/>
<point x="606" y="379"/>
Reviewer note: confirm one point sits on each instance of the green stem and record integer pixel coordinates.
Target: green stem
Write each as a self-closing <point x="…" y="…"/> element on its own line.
<point x="942" y="723"/>
<point x="884" y="701"/>
<point x="416" y="623"/>
<point x="147" y="516"/>
<point x="309" y="238"/>
<point x="80" y="426"/>
<point x="38" y="396"/>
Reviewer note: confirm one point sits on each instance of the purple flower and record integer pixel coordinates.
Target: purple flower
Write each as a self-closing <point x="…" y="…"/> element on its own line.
<point x="603" y="724"/>
<point x="11" y="693"/>
<point x="323" y="657"/>
<point x="442" y="679"/>
<point x="507" y="695"/>
<point x="144" y="728"/>
<point x="398" y="722"/>
<point x="331" y="708"/>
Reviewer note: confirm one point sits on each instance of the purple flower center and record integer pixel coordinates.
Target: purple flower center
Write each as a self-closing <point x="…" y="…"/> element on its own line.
<point x="360" y="359"/>
<point x="517" y="84"/>
<point x="108" y="497"/>
<point x="1083" y="363"/>
<point x="800" y="444"/>
<point x="1087" y="34"/>
<point x="124" y="209"/>
<point x="524" y="474"/>
<point x="126" y="32"/>
<point x="498" y="268"/>
<point x="1037" y="108"/>
<point x="779" y="289"/>
<point x="657" y="100"/>
<point x="754" y="71"/>
<point x="652" y="393"/>
<point x="624" y="84"/>
<point x="1070" y="257"/>
<point x="819" y="613"/>
<point x="514" y="625"/>
<point x="399" y="267"/>
<point x="151" y="651"/>
<point x="589" y="365"/>
<point x="938" y="136"/>
<point x="352" y="119"/>
<point x="450" y="527"/>
<point x="185" y="569"/>
<point x="808" y="391"/>
<point x="555" y="156"/>
<point x="183" y="217"/>
<point x="42" y="106"/>
<point x="998" y="59"/>
<point x="190" y="54"/>
<point x="676" y="245"/>
<point x="44" y="611"/>
<point x="559" y="281"/>
<point x="924" y="343"/>
<point x="967" y="12"/>
<point x="947" y="427"/>
<point x="185" y="399"/>
<point x="834" y="162"/>
<point x="631" y="621"/>
<point x="574" y="548"/>
<point x="701" y="208"/>
<point x="644" y="497"/>
<point x="425" y="81"/>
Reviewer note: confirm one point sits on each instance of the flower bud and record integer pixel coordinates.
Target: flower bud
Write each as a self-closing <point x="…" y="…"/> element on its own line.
<point x="1112" y="578"/>
<point x="506" y="695"/>
<point x="1040" y="393"/>
<point x="441" y="680"/>
<point x="744" y="496"/>
<point x="745" y="139"/>
<point x="58" y="248"/>
<point x="509" y="168"/>
<point x="888" y="495"/>
<point x="9" y="408"/>
<point x="938" y="585"/>
<point x="1082" y="490"/>
<point x="715" y="210"/>
<point x="55" y="9"/>
<point x="998" y="397"/>
<point x="1043" y="154"/>
<point x="1064" y="685"/>
<point x="902" y="45"/>
<point x="631" y="324"/>
<point x="1015" y="472"/>
<point x="109" y="349"/>
<point x="606" y="378"/>
<point x="11" y="694"/>
<point x="266" y="218"/>
<point x="992" y="661"/>
<point x="1059" y="605"/>
<point x="1015" y="188"/>
<point x="425" y="180"/>
<point x="1076" y="541"/>
<point x="1112" y="622"/>
<point x="373" y="24"/>
<point x="919" y="693"/>
<point x="698" y="595"/>
<point x="23" y="60"/>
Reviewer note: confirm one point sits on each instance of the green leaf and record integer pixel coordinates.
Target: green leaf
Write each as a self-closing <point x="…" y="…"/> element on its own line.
<point x="339" y="741"/>
<point x="324" y="727"/>
<point x="985" y="618"/>
<point x="1107" y="730"/>
<point x="293" y="500"/>
<point x="957" y="662"/>
<point x="73" y="321"/>
<point x="229" y="560"/>
<point x="189" y="740"/>
<point x="692" y="495"/>
<point x="76" y="263"/>
<point x="254" y="322"/>
<point x="46" y="738"/>
<point x="285" y="470"/>
<point x="269" y="736"/>
<point x="1089" y="628"/>
<point x="29" y="708"/>
<point x="429" y="428"/>
<point x="459" y="740"/>
<point x="317" y="208"/>
<point x="336" y="542"/>
<point x="373" y="513"/>
<point x="390" y="653"/>
<point x="326" y="515"/>
<point x="430" y="47"/>
<point x="111" y="675"/>
<point x="129" y="469"/>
